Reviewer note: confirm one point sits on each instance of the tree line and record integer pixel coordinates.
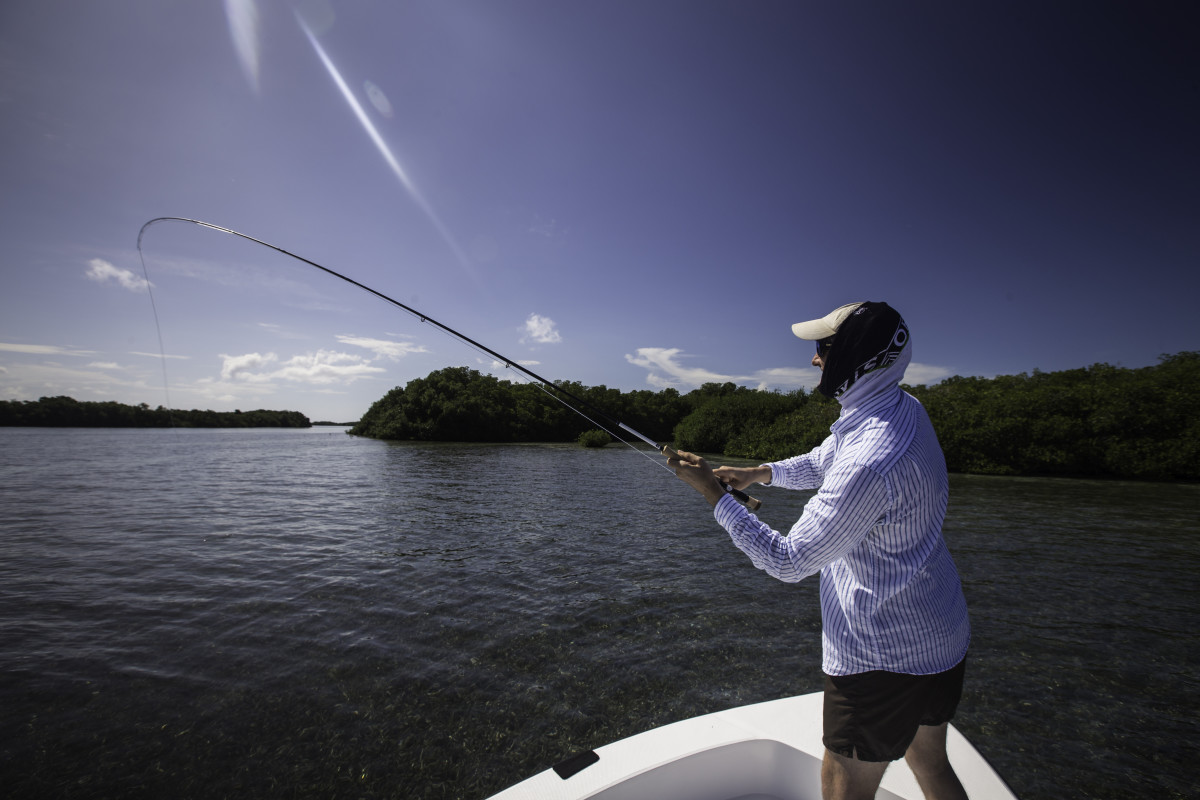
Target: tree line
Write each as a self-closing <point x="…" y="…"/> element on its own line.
<point x="1101" y="421"/>
<point x="66" y="412"/>
<point x="458" y="404"/>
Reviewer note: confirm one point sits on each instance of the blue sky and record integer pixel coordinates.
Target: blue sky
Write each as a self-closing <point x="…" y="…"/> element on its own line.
<point x="637" y="194"/>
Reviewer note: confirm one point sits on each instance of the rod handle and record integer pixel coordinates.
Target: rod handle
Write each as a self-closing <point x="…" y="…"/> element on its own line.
<point x="749" y="502"/>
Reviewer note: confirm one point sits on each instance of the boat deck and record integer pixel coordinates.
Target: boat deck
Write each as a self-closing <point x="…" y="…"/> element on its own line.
<point x="767" y="751"/>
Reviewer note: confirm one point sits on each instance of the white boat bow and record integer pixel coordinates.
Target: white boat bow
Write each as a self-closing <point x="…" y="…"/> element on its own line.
<point x="766" y="751"/>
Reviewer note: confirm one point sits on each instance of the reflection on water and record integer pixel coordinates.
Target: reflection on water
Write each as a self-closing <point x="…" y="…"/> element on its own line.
<point x="215" y="613"/>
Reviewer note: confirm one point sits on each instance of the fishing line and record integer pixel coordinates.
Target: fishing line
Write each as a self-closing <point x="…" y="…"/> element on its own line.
<point x="544" y="383"/>
<point x="162" y="348"/>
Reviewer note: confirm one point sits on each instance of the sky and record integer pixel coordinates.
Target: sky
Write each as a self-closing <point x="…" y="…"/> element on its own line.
<point x="634" y="193"/>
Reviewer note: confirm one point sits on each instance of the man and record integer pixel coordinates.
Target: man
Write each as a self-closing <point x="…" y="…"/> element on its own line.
<point x="894" y="620"/>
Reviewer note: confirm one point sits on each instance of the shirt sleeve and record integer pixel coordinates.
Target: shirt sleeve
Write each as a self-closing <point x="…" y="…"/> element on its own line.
<point x="835" y="521"/>
<point x="800" y="472"/>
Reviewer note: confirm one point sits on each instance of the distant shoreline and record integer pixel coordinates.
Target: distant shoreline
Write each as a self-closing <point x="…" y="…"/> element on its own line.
<point x="66" y="412"/>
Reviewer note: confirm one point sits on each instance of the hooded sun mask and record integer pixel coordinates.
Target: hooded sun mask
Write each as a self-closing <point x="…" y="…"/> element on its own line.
<point x="867" y="338"/>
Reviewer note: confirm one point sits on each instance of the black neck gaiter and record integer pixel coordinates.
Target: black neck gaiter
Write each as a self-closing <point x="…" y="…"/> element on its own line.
<point x="870" y="338"/>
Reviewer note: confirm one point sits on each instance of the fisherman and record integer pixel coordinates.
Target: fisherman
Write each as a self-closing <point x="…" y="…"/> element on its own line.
<point x="894" y="621"/>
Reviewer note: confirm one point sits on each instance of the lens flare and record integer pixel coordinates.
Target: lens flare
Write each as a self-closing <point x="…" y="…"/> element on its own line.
<point x="378" y="99"/>
<point x="243" y="28"/>
<point x="381" y="145"/>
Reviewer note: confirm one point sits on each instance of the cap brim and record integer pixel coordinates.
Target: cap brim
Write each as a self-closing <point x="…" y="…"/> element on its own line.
<point x="813" y="329"/>
<point x="827" y="325"/>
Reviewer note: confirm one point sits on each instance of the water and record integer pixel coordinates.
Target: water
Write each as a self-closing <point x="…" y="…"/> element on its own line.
<point x="304" y="613"/>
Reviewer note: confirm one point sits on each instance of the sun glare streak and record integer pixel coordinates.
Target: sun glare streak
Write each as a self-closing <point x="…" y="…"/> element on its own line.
<point x="243" y="28"/>
<point x="376" y="138"/>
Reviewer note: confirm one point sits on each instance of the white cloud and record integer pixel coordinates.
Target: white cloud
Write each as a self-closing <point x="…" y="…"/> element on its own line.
<point x="542" y="330"/>
<point x="321" y="368"/>
<point x="325" y="367"/>
<point x="383" y="348"/>
<point x="665" y="369"/>
<point x="504" y="365"/>
<point x="925" y="374"/>
<point x="29" y="381"/>
<point x="44" y="350"/>
<point x="105" y="365"/>
<point x="506" y="370"/>
<point x="158" y="355"/>
<point x="245" y="366"/>
<point x="787" y="378"/>
<point x="101" y="271"/>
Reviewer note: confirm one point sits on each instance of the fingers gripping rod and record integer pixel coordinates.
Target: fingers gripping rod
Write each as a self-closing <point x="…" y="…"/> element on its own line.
<point x="749" y="502"/>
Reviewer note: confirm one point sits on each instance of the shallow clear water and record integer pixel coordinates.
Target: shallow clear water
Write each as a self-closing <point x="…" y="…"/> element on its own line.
<point x="285" y="613"/>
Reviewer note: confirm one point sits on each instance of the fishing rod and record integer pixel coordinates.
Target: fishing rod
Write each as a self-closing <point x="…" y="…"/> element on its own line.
<point x="543" y="383"/>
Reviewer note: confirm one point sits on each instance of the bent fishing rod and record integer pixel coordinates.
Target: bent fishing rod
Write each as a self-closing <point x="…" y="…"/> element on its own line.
<point x="543" y="383"/>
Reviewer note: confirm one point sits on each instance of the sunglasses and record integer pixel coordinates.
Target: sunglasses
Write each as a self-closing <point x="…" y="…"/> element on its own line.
<point x="823" y="347"/>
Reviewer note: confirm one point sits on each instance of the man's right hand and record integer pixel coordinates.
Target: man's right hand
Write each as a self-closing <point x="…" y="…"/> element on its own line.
<point x="741" y="477"/>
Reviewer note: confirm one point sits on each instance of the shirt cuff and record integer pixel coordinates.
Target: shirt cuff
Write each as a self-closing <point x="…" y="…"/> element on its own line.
<point x="778" y="474"/>
<point x="728" y="511"/>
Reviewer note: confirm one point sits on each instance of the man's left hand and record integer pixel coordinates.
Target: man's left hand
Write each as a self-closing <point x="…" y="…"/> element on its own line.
<point x="695" y="472"/>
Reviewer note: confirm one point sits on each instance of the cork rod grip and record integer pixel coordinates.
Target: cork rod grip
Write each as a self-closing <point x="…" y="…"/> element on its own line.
<point x="749" y="502"/>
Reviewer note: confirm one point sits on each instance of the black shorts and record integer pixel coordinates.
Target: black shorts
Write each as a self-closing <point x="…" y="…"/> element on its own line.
<point x="874" y="716"/>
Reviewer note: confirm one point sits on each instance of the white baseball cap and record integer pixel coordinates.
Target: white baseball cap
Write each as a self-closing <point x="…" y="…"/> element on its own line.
<point x="825" y="326"/>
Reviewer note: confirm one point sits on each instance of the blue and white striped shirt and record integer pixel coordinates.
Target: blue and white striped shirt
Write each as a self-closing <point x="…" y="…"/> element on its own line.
<point x="890" y="594"/>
